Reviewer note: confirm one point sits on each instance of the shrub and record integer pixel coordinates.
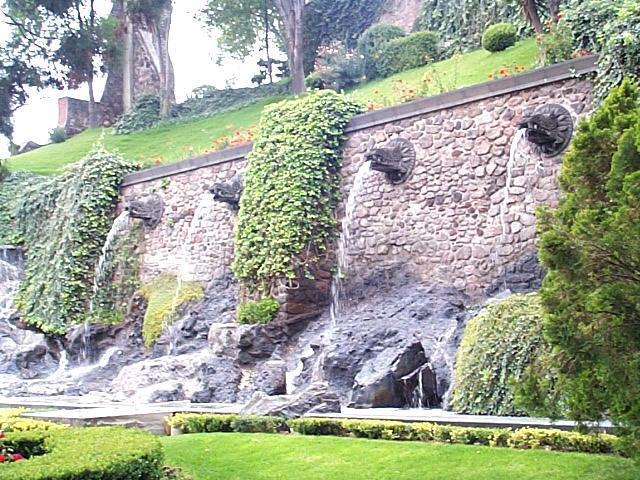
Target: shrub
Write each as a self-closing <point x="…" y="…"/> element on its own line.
<point x="338" y="68"/>
<point x="11" y="421"/>
<point x="291" y="188"/>
<point x="64" y="221"/>
<point x="95" y="453"/>
<point x="370" y="45"/>
<point x="499" y="37"/>
<point x="144" y="114"/>
<point x="164" y="297"/>
<point x="258" y="311"/>
<point x="314" y="81"/>
<point x="57" y="135"/>
<point x="461" y="23"/>
<point x="497" y="347"/>
<point x="408" y="52"/>
<point x="525" y="438"/>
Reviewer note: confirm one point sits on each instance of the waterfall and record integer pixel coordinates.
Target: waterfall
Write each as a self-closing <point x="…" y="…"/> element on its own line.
<point x="119" y="224"/>
<point x="204" y="206"/>
<point x="9" y="282"/>
<point x="337" y="293"/>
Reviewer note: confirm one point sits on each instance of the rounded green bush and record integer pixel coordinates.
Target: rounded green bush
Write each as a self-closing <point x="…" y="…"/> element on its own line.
<point x="498" y="37"/>
<point x="408" y="52"/>
<point x="96" y="453"/>
<point x="497" y="347"/>
<point x="371" y="42"/>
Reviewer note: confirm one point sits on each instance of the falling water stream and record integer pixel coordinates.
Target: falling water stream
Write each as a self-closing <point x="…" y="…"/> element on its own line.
<point x="9" y="282"/>
<point x="121" y="223"/>
<point x="337" y="293"/>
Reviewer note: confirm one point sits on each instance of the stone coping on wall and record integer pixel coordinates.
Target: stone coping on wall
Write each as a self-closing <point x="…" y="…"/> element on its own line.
<point x="474" y="93"/>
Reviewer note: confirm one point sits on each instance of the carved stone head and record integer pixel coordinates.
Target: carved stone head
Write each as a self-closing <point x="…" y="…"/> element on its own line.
<point x="396" y="160"/>
<point x="148" y="208"/>
<point x="228" y="192"/>
<point x="549" y="128"/>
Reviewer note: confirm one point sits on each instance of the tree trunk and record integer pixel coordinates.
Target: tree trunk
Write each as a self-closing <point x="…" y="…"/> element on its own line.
<point x="292" y="13"/>
<point x="531" y="14"/>
<point x="167" y="79"/>
<point x="93" y="114"/>
<point x="554" y="8"/>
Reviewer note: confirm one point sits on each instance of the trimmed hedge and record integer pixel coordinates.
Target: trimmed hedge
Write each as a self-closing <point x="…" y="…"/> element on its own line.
<point x="498" y="346"/>
<point x="524" y="438"/>
<point x="11" y="421"/>
<point x="371" y="42"/>
<point x="499" y="37"/>
<point x="96" y="453"/>
<point x="408" y="52"/>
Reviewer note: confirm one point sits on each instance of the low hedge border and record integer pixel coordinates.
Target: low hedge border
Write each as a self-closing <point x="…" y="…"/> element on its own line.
<point x="95" y="453"/>
<point x="523" y="438"/>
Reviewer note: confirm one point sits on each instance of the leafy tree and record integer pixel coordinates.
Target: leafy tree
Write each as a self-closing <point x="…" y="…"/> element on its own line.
<point x="590" y="246"/>
<point x="66" y="35"/>
<point x="243" y="24"/>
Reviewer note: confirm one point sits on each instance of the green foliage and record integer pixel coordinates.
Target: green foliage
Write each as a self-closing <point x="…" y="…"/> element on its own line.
<point x="611" y="29"/>
<point x="64" y="221"/>
<point x="291" y="188"/>
<point x="207" y="100"/>
<point x="370" y="44"/>
<point x="12" y="421"/>
<point x="590" y="246"/>
<point x="210" y="423"/>
<point x="94" y="453"/>
<point x="408" y="52"/>
<point x="314" y="81"/>
<point x="557" y="45"/>
<point x="338" y="68"/>
<point x="165" y="296"/>
<point x="12" y="189"/>
<point x="120" y="277"/>
<point x="497" y="347"/>
<point x="461" y="23"/>
<point x="57" y="135"/>
<point x="498" y="37"/>
<point x="144" y="114"/>
<point x="344" y="21"/>
<point x="258" y="311"/>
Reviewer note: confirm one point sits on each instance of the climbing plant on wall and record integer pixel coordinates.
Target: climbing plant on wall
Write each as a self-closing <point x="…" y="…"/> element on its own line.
<point x="461" y="23"/>
<point x="290" y="188"/>
<point x="342" y="20"/>
<point x="12" y="188"/>
<point x="64" y="222"/>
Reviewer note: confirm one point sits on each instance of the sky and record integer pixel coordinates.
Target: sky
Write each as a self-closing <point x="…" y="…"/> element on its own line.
<point x="193" y="52"/>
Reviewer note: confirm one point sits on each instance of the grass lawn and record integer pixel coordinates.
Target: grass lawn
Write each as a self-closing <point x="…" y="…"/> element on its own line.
<point x="226" y="456"/>
<point x="179" y="141"/>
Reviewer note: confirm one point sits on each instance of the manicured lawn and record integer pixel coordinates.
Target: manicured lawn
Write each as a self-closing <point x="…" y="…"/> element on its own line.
<point x="184" y="140"/>
<point x="226" y="456"/>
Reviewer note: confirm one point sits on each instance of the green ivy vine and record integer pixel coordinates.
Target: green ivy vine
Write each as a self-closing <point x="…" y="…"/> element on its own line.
<point x="12" y="188"/>
<point x="291" y="188"/>
<point x="64" y="221"/>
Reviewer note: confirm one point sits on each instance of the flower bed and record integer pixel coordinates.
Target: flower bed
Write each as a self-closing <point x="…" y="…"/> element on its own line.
<point x="97" y="453"/>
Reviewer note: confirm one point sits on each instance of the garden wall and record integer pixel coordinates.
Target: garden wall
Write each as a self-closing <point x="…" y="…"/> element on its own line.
<point x="448" y="224"/>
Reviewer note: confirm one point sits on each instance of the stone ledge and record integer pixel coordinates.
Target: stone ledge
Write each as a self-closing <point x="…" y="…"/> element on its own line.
<point x="539" y="77"/>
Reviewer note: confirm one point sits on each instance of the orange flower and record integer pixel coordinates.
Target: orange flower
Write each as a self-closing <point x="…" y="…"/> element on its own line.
<point x="490" y="76"/>
<point x="538" y="38"/>
<point x="502" y="71"/>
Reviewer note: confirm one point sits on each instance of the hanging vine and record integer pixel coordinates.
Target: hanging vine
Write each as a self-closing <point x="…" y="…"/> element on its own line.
<point x="291" y="188"/>
<point x="64" y="222"/>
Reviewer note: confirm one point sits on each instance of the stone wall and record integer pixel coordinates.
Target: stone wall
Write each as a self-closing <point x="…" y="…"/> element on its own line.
<point x="73" y="115"/>
<point x="451" y="223"/>
<point x="401" y="13"/>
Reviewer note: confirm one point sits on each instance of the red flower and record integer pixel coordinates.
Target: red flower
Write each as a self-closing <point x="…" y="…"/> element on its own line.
<point x="1" y="434"/>
<point x="16" y="457"/>
<point x="502" y="71"/>
<point x="2" y="458"/>
<point x="538" y="38"/>
<point x="559" y="16"/>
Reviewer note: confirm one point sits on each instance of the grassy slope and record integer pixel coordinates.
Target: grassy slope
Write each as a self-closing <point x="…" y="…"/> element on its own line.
<point x="184" y="140"/>
<point x="229" y="456"/>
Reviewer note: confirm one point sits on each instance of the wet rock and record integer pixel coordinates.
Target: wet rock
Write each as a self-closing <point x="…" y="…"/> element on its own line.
<point x="219" y="379"/>
<point x="316" y="398"/>
<point x="379" y="383"/>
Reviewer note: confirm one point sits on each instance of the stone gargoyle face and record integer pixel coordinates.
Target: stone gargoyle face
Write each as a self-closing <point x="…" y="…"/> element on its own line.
<point x="549" y="128"/>
<point x="229" y="191"/>
<point x="395" y="159"/>
<point x="148" y="208"/>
